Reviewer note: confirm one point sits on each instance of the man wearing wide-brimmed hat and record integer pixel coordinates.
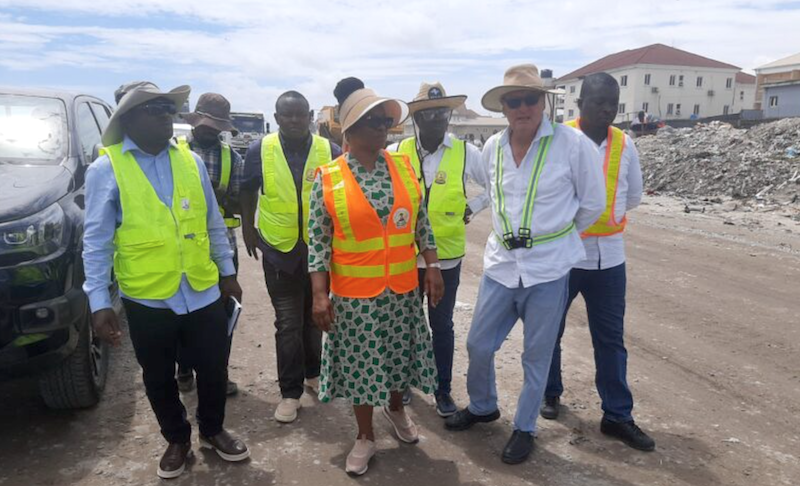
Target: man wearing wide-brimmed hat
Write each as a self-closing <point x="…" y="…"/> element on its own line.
<point x="152" y="218"/>
<point x="442" y="163"/>
<point x="546" y="188"/>
<point x="211" y="117"/>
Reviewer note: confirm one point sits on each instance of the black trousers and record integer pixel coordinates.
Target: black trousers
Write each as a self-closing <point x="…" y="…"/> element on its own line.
<point x="202" y="336"/>
<point x="298" y="342"/>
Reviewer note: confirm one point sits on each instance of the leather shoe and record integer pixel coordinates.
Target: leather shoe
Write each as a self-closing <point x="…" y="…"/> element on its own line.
<point x="518" y="447"/>
<point x="549" y="408"/>
<point x="173" y="462"/>
<point x="226" y="446"/>
<point x="629" y="433"/>
<point x="464" y="419"/>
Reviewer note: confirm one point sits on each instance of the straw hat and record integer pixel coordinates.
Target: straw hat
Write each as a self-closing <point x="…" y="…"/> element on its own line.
<point x="522" y="77"/>
<point x="131" y="95"/>
<point x="433" y="96"/>
<point x="212" y="110"/>
<point x="361" y="101"/>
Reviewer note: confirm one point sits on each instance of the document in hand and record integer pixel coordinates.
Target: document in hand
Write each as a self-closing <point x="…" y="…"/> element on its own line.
<point x="233" y="308"/>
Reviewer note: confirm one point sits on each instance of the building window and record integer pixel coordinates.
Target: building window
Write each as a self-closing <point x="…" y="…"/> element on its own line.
<point x="621" y="109"/>
<point x="680" y="81"/>
<point x="571" y="113"/>
<point x="647" y="80"/>
<point x="672" y="80"/>
<point x="670" y="108"/>
<point x="645" y="106"/>
<point x="773" y="101"/>
<point x="729" y="83"/>
<point x="623" y="80"/>
<point x="741" y="95"/>
<point x="572" y="89"/>
<point x="677" y="109"/>
<point x="696" y="110"/>
<point x="699" y="81"/>
<point x="726" y="109"/>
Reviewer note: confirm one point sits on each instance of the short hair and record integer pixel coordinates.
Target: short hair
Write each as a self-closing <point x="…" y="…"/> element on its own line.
<point x="291" y="95"/>
<point x="596" y="81"/>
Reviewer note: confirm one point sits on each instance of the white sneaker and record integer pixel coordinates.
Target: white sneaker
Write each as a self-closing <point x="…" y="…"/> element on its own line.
<point x="313" y="385"/>
<point x="358" y="460"/>
<point x="286" y="411"/>
<point x="404" y="427"/>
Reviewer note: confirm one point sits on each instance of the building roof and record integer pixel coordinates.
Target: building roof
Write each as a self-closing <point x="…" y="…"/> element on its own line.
<point x="780" y="84"/>
<point x="744" y="78"/>
<point x="652" y="54"/>
<point x="785" y="62"/>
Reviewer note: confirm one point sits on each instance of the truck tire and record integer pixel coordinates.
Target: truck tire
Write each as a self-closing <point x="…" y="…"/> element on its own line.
<point x="79" y="380"/>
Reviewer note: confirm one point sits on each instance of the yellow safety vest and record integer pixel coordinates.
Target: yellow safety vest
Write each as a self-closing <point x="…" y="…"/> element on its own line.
<point x="446" y="199"/>
<point x="278" y="208"/>
<point x="224" y="180"/>
<point x="156" y="245"/>
<point x="608" y="225"/>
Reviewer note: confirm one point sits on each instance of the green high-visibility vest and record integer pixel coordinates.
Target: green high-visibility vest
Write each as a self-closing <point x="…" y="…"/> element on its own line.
<point x="278" y="208"/>
<point x="446" y="199"/>
<point x="155" y="245"/>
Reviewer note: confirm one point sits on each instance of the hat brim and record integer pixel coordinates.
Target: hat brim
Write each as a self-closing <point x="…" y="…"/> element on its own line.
<point x="396" y="109"/>
<point x="451" y="102"/>
<point x="113" y="132"/>
<point x="492" y="100"/>
<point x="196" y="119"/>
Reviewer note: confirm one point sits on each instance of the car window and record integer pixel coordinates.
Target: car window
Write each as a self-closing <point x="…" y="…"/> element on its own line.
<point x="33" y="130"/>
<point x="88" y="131"/>
<point x="101" y="114"/>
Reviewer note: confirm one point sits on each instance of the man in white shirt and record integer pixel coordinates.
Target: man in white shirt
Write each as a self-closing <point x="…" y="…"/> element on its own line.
<point x="443" y="163"/>
<point x="600" y="278"/>
<point x="546" y="188"/>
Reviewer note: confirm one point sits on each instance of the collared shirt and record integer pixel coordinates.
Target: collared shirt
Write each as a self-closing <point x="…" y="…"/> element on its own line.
<point x="609" y="251"/>
<point x="571" y="189"/>
<point x="296" y="260"/>
<point x="473" y="169"/>
<point x="104" y="216"/>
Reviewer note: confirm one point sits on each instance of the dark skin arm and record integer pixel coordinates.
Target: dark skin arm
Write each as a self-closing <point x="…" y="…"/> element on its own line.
<point x="322" y="308"/>
<point x="249" y="202"/>
<point x="106" y="326"/>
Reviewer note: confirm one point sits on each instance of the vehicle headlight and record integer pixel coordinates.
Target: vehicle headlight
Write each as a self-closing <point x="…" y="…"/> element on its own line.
<point x="32" y="237"/>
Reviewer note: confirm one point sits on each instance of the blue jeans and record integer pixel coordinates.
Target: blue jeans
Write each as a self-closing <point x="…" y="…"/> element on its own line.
<point x="604" y="293"/>
<point x="441" y="322"/>
<point x="498" y="309"/>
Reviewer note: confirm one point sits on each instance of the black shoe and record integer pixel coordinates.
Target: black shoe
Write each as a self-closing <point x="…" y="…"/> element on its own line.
<point x="629" y="433"/>
<point x="549" y="408"/>
<point x="518" y="447"/>
<point x="186" y="381"/>
<point x="173" y="462"/>
<point x="232" y="388"/>
<point x="464" y="419"/>
<point x="407" y="396"/>
<point x="445" y="406"/>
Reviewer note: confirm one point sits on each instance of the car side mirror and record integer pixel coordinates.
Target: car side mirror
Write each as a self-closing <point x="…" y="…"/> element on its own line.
<point x="96" y="151"/>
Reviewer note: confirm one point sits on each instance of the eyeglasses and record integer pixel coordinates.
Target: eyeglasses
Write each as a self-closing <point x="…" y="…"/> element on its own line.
<point x="432" y="114"/>
<point x="514" y="103"/>
<point x="376" y="121"/>
<point x="158" y="108"/>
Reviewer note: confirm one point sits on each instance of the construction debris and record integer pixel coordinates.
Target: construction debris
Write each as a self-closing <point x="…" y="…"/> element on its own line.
<point x="760" y="164"/>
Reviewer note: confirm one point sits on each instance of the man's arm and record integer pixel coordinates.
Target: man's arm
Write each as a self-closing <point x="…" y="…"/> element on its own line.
<point x="102" y="196"/>
<point x="248" y="197"/>
<point x="635" y="183"/>
<point x="476" y="170"/>
<point x="589" y="183"/>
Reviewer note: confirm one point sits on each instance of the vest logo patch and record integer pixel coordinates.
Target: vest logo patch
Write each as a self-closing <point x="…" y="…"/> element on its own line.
<point x="185" y="204"/>
<point x="401" y="218"/>
<point x="441" y="177"/>
<point x="310" y="173"/>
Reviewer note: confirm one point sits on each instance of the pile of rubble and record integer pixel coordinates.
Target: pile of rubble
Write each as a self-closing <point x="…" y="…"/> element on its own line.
<point x="716" y="159"/>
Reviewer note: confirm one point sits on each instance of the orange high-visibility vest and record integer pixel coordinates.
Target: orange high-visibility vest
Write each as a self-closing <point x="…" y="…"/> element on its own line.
<point x="368" y="256"/>
<point x="607" y="224"/>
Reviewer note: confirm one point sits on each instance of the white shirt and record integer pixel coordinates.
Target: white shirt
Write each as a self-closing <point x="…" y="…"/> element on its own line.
<point x="473" y="169"/>
<point x="609" y="251"/>
<point x="571" y="189"/>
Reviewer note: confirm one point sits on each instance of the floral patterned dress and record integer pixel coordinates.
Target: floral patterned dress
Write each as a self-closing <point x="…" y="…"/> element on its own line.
<point x="376" y="345"/>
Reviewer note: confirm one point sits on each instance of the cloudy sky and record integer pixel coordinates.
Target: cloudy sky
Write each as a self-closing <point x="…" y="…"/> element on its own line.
<point x="253" y="50"/>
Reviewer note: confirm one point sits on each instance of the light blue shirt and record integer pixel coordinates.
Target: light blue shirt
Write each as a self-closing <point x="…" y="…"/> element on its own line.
<point x="104" y="216"/>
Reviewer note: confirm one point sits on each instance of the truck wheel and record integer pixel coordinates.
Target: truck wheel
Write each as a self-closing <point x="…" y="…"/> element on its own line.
<point x="79" y="380"/>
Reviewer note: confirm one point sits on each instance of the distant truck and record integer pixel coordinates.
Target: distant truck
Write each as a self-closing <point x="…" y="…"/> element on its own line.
<point x="251" y="127"/>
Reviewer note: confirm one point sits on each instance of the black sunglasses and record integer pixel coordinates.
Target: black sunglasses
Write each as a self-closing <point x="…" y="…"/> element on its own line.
<point x="158" y="108"/>
<point x="377" y="121"/>
<point x="514" y="103"/>
<point x="434" y="114"/>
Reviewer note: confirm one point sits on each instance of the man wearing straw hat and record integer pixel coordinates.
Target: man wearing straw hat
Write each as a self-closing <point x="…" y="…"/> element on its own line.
<point x="546" y="188"/>
<point x="442" y="163"/>
<point x="152" y="217"/>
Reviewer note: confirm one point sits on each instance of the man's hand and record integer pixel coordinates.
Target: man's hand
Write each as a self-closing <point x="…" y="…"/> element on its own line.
<point x="229" y="287"/>
<point x="434" y="286"/>
<point x="467" y="215"/>
<point x="106" y="326"/>
<point x="250" y="234"/>
<point x="322" y="311"/>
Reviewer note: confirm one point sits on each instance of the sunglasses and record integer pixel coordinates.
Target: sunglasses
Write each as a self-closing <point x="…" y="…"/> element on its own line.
<point x="514" y="103"/>
<point x="435" y="114"/>
<point x="158" y="108"/>
<point x="376" y="122"/>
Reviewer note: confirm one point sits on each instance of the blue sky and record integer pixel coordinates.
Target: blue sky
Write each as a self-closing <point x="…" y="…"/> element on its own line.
<point x="253" y="50"/>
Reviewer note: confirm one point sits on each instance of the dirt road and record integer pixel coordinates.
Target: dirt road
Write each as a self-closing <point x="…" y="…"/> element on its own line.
<point x="713" y="333"/>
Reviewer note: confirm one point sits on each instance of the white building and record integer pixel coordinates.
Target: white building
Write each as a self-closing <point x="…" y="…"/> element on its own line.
<point x="669" y="83"/>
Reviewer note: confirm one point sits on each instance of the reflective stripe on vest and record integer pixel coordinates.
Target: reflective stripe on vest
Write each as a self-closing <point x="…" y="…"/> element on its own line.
<point x="278" y="209"/>
<point x="447" y="198"/>
<point x="524" y="233"/>
<point x="155" y="245"/>
<point x="607" y="224"/>
<point x="368" y="256"/>
<point x="224" y="180"/>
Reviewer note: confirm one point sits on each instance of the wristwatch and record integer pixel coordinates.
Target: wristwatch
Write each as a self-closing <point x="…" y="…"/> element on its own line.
<point x="434" y="265"/>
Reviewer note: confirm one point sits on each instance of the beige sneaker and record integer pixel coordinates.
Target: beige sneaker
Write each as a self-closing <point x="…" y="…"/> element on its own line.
<point x="358" y="460"/>
<point x="404" y="427"/>
<point x="313" y="385"/>
<point x="286" y="411"/>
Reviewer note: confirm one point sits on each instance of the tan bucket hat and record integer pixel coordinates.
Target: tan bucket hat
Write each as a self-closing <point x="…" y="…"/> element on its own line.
<point x="212" y="110"/>
<point x="131" y="95"/>
<point x="362" y="100"/>
<point x="433" y="96"/>
<point x="521" y="77"/>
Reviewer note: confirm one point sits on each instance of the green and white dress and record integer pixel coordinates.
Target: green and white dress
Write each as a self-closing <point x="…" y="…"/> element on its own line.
<point x="376" y="345"/>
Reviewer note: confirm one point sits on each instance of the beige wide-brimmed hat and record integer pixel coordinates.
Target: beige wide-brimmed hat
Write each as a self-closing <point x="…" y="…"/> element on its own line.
<point x="212" y="110"/>
<point x="131" y="95"/>
<point x="434" y="96"/>
<point x="360" y="101"/>
<point x="516" y="78"/>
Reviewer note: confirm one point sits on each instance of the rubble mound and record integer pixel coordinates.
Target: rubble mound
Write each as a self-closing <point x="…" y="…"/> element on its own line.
<point x="716" y="159"/>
